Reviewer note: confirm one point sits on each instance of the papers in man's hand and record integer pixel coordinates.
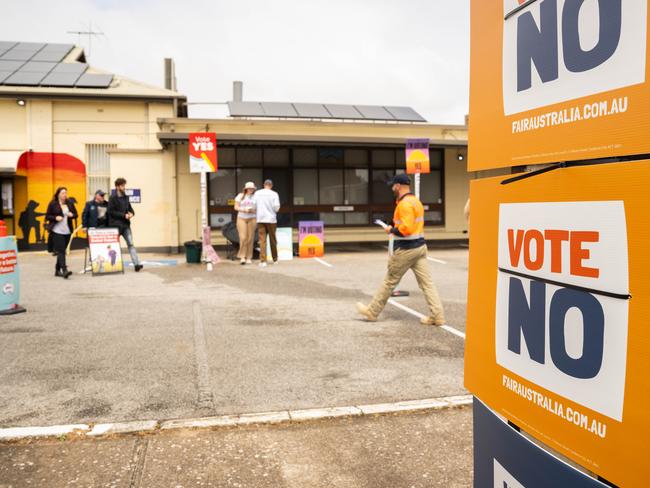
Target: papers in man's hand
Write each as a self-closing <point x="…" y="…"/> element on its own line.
<point x="381" y="223"/>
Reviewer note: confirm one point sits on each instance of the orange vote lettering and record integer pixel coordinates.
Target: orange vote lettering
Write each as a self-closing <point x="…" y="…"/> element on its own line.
<point x="520" y="244"/>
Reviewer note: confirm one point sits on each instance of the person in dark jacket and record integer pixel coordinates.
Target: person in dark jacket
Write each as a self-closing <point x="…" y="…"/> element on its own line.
<point x="95" y="212"/>
<point x="59" y="216"/>
<point x="120" y="213"/>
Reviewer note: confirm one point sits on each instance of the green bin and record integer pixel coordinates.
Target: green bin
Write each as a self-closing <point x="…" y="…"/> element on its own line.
<point x="193" y="251"/>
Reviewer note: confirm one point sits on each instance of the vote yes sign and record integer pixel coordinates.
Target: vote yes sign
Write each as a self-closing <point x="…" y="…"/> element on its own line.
<point x="558" y="303"/>
<point x="203" y="152"/>
<point x="557" y="80"/>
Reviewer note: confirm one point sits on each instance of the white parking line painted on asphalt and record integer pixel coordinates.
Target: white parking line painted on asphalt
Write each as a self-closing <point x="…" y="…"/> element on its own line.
<point x="205" y="397"/>
<point x="421" y="316"/>
<point x="324" y="263"/>
<point x="439" y="261"/>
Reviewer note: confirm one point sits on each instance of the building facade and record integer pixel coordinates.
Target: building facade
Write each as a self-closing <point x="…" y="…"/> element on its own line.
<point x="84" y="137"/>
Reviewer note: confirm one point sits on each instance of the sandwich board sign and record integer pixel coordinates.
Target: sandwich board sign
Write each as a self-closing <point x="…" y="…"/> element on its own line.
<point x="105" y="251"/>
<point x="557" y="336"/>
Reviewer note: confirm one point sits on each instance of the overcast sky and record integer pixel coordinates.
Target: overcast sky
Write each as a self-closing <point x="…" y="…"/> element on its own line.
<point x="375" y="52"/>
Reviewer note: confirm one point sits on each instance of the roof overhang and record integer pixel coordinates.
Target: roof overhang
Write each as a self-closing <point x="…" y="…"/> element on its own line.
<point x="234" y="138"/>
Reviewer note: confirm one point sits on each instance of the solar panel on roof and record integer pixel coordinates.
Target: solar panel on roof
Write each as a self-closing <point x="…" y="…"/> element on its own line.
<point x="4" y="75"/>
<point x="31" y="46"/>
<point x="70" y="68"/>
<point x="10" y="65"/>
<point x="246" y="109"/>
<point x="25" y="78"/>
<point x="91" y="80"/>
<point x="61" y="79"/>
<point x="54" y="56"/>
<point x="312" y="110"/>
<point x="18" y="55"/>
<point x="37" y="67"/>
<point x="58" y="47"/>
<point x="406" y="114"/>
<point x="277" y="109"/>
<point x="343" y="111"/>
<point x="373" y="112"/>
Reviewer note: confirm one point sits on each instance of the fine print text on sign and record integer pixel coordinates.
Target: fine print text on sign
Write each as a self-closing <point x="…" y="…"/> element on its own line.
<point x="203" y="152"/>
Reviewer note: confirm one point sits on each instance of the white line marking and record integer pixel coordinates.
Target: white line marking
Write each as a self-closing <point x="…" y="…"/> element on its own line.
<point x="202" y="370"/>
<point x="324" y="263"/>
<point x="420" y="316"/>
<point x="439" y="261"/>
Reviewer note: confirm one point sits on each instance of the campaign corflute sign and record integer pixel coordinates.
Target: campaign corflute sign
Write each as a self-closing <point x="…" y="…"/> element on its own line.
<point x="203" y="152"/>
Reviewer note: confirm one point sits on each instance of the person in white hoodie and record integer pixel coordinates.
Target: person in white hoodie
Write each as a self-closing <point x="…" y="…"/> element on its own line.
<point x="268" y="204"/>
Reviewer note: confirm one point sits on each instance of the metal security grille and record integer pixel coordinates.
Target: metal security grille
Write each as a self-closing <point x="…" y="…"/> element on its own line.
<point x="99" y="168"/>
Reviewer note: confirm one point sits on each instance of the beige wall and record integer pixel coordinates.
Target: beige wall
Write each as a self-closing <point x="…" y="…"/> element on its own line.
<point x="153" y="173"/>
<point x="13" y="124"/>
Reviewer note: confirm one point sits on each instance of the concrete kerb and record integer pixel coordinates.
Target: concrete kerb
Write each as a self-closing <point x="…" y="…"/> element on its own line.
<point x="15" y="434"/>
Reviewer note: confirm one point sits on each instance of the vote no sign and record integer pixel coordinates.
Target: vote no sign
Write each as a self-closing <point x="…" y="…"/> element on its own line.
<point x="558" y="302"/>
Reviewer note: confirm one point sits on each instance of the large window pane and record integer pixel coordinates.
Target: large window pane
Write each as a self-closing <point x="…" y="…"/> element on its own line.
<point x="245" y="175"/>
<point x="356" y="218"/>
<point x="356" y="158"/>
<point x="330" y="157"/>
<point x="435" y="217"/>
<point x="356" y="186"/>
<point x="276" y="157"/>
<point x="249" y="156"/>
<point x="222" y="186"/>
<point x="383" y="158"/>
<point x="436" y="156"/>
<point x="305" y="187"/>
<point x="381" y="192"/>
<point x="331" y="187"/>
<point x="280" y="179"/>
<point x="305" y="157"/>
<point x="431" y="187"/>
<point x="332" y="218"/>
<point x="226" y="157"/>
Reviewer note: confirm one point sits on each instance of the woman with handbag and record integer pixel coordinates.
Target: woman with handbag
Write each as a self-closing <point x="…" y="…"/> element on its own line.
<point x="59" y="216"/>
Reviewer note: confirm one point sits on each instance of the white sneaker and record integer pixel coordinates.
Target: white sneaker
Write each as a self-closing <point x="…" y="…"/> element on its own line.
<point x="248" y="261"/>
<point x="274" y="262"/>
<point x="262" y="265"/>
<point x="242" y="261"/>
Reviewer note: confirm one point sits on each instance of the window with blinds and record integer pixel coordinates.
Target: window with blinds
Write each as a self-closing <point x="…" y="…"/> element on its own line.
<point x="98" y="168"/>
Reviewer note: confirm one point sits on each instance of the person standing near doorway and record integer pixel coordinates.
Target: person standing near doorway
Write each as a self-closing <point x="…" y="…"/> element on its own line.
<point x="246" y="219"/>
<point x="95" y="212"/>
<point x="120" y="214"/>
<point x="268" y="205"/>
<point x="410" y="252"/>
<point x="59" y="215"/>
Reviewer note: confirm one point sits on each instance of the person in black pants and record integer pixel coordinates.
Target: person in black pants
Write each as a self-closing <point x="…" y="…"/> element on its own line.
<point x="120" y="213"/>
<point x="59" y="216"/>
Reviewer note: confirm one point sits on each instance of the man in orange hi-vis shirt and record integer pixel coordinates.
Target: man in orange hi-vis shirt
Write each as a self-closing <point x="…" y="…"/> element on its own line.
<point x="410" y="252"/>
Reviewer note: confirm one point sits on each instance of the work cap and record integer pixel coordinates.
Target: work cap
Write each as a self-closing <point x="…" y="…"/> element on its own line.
<point x="268" y="182"/>
<point x="402" y="179"/>
<point x="250" y="186"/>
<point x="100" y="192"/>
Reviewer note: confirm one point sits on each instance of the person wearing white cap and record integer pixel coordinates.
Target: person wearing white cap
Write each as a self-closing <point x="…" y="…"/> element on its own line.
<point x="246" y="221"/>
<point x="268" y="204"/>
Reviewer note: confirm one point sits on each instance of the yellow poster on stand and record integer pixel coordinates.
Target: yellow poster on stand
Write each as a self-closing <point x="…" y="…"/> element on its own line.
<point x="559" y="299"/>
<point x="558" y="80"/>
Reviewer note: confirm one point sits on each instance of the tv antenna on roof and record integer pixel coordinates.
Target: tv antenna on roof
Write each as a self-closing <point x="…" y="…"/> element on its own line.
<point x="90" y="33"/>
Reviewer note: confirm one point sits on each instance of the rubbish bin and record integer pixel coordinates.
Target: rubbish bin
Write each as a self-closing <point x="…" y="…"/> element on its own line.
<point x="193" y="251"/>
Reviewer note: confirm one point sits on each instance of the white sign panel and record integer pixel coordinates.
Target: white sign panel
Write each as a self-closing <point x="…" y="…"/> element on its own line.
<point x="563" y="299"/>
<point x="560" y="50"/>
